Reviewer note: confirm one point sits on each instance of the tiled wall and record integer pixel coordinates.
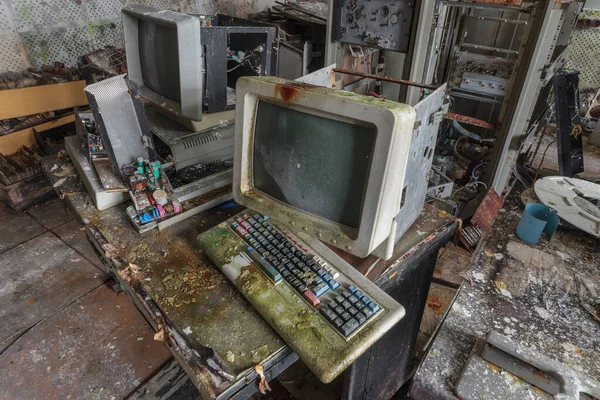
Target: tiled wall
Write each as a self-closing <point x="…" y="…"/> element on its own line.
<point x="34" y="32"/>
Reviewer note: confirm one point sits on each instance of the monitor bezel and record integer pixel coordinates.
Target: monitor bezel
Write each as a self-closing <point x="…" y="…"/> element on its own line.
<point x="394" y="123"/>
<point x="190" y="58"/>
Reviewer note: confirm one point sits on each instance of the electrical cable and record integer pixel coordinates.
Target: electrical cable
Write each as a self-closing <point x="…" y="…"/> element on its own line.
<point x="461" y="129"/>
<point x="454" y="148"/>
<point x="542" y="162"/>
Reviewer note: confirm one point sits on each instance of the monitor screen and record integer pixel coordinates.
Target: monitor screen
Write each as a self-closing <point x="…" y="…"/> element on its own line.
<point x="159" y="58"/>
<point x="316" y="164"/>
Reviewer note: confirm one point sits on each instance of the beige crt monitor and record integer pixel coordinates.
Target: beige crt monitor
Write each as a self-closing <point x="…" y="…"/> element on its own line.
<point x="324" y="162"/>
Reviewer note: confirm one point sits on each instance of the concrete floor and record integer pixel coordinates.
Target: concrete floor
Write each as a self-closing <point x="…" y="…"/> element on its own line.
<point x="65" y="334"/>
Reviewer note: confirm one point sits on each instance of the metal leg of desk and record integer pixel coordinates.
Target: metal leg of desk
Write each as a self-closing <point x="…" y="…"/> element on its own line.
<point x="386" y="366"/>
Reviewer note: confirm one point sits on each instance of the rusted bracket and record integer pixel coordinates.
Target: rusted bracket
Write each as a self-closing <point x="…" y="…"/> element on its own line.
<point x="469" y="120"/>
<point x="381" y="78"/>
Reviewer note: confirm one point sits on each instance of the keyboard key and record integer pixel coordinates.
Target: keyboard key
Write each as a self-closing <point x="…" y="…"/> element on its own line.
<point x="319" y="289"/>
<point x="367" y="312"/>
<point x="366" y="300"/>
<point x="246" y="225"/>
<point x="353" y="311"/>
<point x="312" y="299"/>
<point x="346" y="304"/>
<point x="338" y="323"/>
<point x="332" y="304"/>
<point x="317" y="280"/>
<point x="264" y="265"/>
<point x="359" y="305"/>
<point x="360" y="317"/>
<point x="328" y="313"/>
<point x="339" y="299"/>
<point x="349" y="327"/>
<point x="346" y="294"/>
<point x="346" y="316"/>
<point x="359" y="294"/>
<point x="321" y="272"/>
<point x="352" y="289"/>
<point x="327" y="277"/>
<point x="373" y="306"/>
<point x="298" y="253"/>
<point x="333" y="284"/>
<point x="339" y="310"/>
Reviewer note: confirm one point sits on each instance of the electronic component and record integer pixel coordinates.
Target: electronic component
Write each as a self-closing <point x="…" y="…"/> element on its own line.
<point x="440" y="186"/>
<point x="91" y="139"/>
<point x="328" y="166"/>
<point x="481" y="74"/>
<point x="374" y="23"/>
<point x="150" y="191"/>
<point x="166" y="58"/>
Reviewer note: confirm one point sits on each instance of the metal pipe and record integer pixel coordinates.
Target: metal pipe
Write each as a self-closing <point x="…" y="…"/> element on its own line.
<point x="385" y="78"/>
<point x="489" y="48"/>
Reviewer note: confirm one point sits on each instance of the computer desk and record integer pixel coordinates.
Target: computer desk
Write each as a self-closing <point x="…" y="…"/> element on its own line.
<point x="211" y="330"/>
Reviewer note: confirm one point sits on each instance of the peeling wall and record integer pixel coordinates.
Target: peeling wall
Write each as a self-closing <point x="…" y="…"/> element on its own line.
<point x="34" y="32"/>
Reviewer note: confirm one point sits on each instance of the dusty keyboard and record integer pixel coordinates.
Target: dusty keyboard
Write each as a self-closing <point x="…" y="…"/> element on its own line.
<point x="280" y="258"/>
<point x="322" y="307"/>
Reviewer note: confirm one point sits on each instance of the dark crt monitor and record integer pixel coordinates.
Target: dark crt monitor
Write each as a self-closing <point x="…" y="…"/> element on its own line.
<point x="164" y="59"/>
<point x="159" y="59"/>
<point x="314" y="163"/>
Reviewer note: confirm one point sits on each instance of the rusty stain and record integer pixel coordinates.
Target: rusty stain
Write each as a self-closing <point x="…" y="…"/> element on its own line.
<point x="287" y="92"/>
<point x="31" y="300"/>
<point x="435" y="305"/>
<point x="469" y="120"/>
<point x="494" y="367"/>
<point x="393" y="274"/>
<point x="506" y="2"/>
<point x="488" y="209"/>
<point x="540" y="374"/>
<point x="385" y="78"/>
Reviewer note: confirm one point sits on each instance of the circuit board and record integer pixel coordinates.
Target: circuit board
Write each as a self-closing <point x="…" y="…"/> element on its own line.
<point x="374" y="23"/>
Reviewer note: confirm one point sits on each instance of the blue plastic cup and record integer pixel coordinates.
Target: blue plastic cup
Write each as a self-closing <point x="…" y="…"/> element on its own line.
<point x="537" y="219"/>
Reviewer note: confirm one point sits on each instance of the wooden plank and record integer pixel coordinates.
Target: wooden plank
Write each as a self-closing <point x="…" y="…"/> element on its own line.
<point x="12" y="143"/>
<point x="106" y="173"/>
<point x="452" y="263"/>
<point x="39" y="99"/>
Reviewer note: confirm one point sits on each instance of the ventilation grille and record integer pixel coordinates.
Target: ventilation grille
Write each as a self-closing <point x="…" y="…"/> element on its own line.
<point x="204" y="137"/>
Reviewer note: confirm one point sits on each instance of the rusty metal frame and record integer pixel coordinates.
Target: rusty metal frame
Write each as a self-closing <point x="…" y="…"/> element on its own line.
<point x="380" y="78"/>
<point x="469" y="120"/>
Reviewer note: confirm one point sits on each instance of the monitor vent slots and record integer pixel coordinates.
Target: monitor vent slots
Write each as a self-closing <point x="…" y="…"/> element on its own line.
<point x="204" y="137"/>
<point x="199" y="140"/>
